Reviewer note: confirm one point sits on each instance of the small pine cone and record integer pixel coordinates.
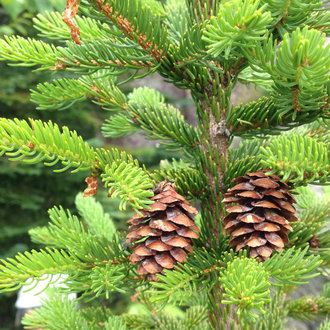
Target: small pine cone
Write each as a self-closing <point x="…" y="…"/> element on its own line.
<point x="91" y="186"/>
<point x="168" y="228"/>
<point x="261" y="218"/>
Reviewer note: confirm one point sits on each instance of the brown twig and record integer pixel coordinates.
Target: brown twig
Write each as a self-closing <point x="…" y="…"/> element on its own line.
<point x="91" y="189"/>
<point x="234" y="69"/>
<point x="326" y="105"/>
<point x="282" y="20"/>
<point x="59" y="65"/>
<point x="321" y="28"/>
<point x="69" y="13"/>
<point x="296" y="93"/>
<point x="126" y="26"/>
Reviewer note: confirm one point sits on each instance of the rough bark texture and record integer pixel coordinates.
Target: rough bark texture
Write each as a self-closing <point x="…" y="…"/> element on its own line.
<point x="216" y="142"/>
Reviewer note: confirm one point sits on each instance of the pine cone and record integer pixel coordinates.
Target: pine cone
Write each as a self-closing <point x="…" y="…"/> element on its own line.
<point x="261" y="218"/>
<point x="169" y="228"/>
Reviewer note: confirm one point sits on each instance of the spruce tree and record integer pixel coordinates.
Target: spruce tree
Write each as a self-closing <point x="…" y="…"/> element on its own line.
<point x="249" y="236"/>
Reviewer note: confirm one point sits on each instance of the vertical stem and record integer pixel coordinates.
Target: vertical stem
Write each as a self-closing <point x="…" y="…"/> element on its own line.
<point x="212" y="110"/>
<point x="216" y="144"/>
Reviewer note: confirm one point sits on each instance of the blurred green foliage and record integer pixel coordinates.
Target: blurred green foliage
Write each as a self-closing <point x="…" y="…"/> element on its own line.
<point x="16" y="7"/>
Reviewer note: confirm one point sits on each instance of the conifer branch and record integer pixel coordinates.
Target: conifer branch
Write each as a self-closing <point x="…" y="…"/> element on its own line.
<point x="193" y="319"/>
<point x="101" y="54"/>
<point x="245" y="284"/>
<point x="68" y="232"/>
<point x="287" y="16"/>
<point x="131" y="31"/>
<point x="236" y="25"/>
<point x="292" y="266"/>
<point x="99" y="223"/>
<point x="59" y="94"/>
<point x="68" y="317"/>
<point x="212" y="108"/>
<point x="63" y="93"/>
<point x="86" y="256"/>
<point x="124" y="178"/>
<point x="44" y="142"/>
<point x="202" y="10"/>
<point x="255" y="118"/>
<point x="265" y="117"/>
<point x="241" y="167"/>
<point x="146" y="110"/>
<point x="120" y="124"/>
<point x="193" y="274"/>
<point x="244" y="159"/>
<point x="14" y="272"/>
<point x="161" y="121"/>
<point x="297" y="159"/>
<point x="313" y="215"/>
<point x="320" y="20"/>
<point x="187" y="181"/>
<point x="29" y="52"/>
<point x="177" y="20"/>
<point x="307" y="308"/>
<point x="130" y="183"/>
<point x="275" y="313"/>
<point x="52" y="27"/>
<point x="299" y="73"/>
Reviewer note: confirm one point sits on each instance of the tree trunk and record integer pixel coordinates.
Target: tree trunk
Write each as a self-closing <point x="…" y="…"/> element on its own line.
<point x="212" y="109"/>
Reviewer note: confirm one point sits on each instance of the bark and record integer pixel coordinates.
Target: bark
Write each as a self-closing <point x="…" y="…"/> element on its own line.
<point x="216" y="142"/>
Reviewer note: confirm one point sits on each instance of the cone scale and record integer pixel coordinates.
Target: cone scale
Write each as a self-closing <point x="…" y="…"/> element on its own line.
<point x="259" y="213"/>
<point x="162" y="236"/>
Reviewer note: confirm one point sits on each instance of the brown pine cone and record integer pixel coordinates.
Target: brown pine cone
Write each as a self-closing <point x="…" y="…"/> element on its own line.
<point x="168" y="228"/>
<point x="261" y="218"/>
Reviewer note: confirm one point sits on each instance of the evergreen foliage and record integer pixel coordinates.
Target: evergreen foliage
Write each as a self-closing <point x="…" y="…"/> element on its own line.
<point x="255" y="284"/>
<point x="325" y="324"/>
<point x="307" y="307"/>
<point x="275" y="313"/>
<point x="206" y="47"/>
<point x="296" y="152"/>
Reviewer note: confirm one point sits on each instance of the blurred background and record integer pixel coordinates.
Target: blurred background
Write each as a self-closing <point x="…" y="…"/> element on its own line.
<point x="27" y="192"/>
